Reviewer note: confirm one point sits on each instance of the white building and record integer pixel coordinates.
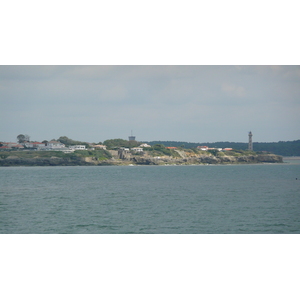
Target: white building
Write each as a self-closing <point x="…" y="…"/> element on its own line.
<point x="137" y="149"/>
<point x="77" y="147"/>
<point x="36" y="145"/>
<point x="11" y="145"/>
<point x="145" y="145"/>
<point x="203" y="148"/>
<point x="54" y="145"/>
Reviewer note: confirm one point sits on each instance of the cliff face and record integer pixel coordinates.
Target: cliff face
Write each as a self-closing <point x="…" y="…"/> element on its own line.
<point x="141" y="160"/>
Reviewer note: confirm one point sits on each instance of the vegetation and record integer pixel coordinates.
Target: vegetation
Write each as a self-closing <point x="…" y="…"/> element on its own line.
<point x="69" y="142"/>
<point x="98" y="154"/>
<point x="23" y="138"/>
<point x="117" y="143"/>
<point x="289" y="148"/>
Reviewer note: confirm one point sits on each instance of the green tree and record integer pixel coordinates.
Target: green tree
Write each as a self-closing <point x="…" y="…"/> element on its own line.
<point x="69" y="142"/>
<point x="116" y="143"/>
<point x="23" y="138"/>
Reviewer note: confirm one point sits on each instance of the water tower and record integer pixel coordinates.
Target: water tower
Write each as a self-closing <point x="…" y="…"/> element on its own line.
<point x="250" y="145"/>
<point x="131" y="137"/>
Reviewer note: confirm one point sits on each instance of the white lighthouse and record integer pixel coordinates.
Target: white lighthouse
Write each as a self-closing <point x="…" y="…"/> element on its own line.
<point x="250" y="144"/>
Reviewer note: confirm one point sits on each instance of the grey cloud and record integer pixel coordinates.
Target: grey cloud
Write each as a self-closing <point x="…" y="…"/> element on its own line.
<point x="160" y="102"/>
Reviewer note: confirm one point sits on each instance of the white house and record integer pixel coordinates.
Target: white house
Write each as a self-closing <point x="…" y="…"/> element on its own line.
<point x="145" y="145"/>
<point x="36" y="145"/>
<point x="55" y="145"/>
<point x="137" y="149"/>
<point x="77" y="147"/>
<point x="203" y="148"/>
<point x="11" y="145"/>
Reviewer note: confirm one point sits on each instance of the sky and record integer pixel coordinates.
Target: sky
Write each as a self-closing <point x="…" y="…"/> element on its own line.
<point x="173" y="103"/>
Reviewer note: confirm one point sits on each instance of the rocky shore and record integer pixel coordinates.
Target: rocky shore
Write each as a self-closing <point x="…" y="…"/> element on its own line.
<point x="206" y="159"/>
<point x="140" y="160"/>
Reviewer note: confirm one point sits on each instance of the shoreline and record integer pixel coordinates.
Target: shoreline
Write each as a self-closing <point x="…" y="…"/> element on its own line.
<point x="136" y="161"/>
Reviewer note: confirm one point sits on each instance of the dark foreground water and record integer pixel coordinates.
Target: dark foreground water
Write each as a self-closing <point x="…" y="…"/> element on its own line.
<point x="261" y="198"/>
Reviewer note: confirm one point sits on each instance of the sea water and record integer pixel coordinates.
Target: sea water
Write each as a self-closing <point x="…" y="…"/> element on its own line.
<point x="198" y="199"/>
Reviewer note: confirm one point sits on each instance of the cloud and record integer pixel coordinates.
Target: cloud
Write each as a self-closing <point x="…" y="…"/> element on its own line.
<point x="189" y="103"/>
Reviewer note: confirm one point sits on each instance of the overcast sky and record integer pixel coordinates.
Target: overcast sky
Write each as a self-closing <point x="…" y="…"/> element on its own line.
<point x="175" y="103"/>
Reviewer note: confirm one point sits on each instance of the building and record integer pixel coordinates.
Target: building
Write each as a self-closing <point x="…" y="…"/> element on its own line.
<point x="34" y="145"/>
<point x="77" y="147"/>
<point x="54" y="145"/>
<point x="131" y="137"/>
<point x="8" y="145"/>
<point x="250" y="144"/>
<point x="145" y="145"/>
<point x="203" y="148"/>
<point x="137" y="149"/>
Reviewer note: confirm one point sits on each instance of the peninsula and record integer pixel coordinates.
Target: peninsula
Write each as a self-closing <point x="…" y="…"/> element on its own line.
<point x="66" y="152"/>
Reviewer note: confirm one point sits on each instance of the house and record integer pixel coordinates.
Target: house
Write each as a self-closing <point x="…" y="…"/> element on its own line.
<point x="55" y="145"/>
<point x="227" y="149"/>
<point x="203" y="148"/>
<point x="137" y="149"/>
<point x="18" y="146"/>
<point x="36" y="145"/>
<point x="145" y="145"/>
<point x="77" y="147"/>
<point x="8" y="145"/>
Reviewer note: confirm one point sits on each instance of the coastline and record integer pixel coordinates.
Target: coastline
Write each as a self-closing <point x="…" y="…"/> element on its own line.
<point x="14" y="161"/>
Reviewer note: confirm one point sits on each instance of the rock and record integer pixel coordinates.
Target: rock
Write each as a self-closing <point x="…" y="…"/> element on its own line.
<point x="140" y="160"/>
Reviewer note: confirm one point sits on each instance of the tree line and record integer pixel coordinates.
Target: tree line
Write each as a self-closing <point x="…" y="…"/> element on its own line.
<point x="289" y="148"/>
<point x="284" y="148"/>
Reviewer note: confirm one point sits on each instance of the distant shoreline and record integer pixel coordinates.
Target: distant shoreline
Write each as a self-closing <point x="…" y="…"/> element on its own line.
<point x="14" y="161"/>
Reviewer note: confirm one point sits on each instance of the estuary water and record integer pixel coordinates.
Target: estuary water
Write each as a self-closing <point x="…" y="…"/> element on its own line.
<point x="198" y="199"/>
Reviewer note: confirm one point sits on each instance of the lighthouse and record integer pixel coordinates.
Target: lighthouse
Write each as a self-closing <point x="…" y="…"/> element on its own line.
<point x="250" y="145"/>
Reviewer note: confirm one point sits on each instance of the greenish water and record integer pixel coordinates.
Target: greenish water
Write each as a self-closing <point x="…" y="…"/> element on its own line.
<point x="262" y="198"/>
